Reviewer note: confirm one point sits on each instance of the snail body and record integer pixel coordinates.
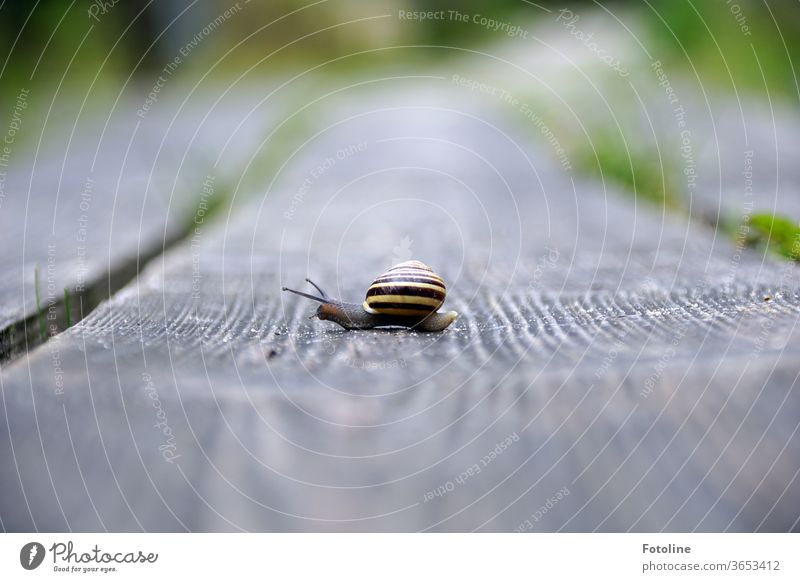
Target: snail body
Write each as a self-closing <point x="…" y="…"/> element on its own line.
<point x="407" y="295"/>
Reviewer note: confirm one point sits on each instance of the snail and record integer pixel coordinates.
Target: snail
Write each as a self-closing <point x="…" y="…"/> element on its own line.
<point x="407" y="295"/>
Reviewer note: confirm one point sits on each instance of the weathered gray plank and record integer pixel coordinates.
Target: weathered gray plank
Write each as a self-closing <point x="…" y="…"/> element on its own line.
<point x="91" y="198"/>
<point x="644" y="369"/>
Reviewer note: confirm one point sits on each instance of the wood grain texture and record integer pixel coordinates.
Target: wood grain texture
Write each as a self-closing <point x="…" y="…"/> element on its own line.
<point x="89" y="201"/>
<point x="604" y="350"/>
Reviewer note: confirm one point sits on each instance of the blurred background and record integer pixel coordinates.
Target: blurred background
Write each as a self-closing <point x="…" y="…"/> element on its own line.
<point x="86" y="56"/>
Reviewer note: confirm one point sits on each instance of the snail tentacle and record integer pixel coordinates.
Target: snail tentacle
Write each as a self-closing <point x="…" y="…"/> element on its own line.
<point x="306" y="295"/>
<point x="318" y="288"/>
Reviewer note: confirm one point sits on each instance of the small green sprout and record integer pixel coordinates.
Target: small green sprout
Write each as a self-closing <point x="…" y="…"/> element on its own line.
<point x="778" y="233"/>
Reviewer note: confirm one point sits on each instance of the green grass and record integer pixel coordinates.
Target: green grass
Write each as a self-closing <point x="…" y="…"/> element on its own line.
<point x="779" y="234"/>
<point x="757" y="59"/>
<point x="705" y="39"/>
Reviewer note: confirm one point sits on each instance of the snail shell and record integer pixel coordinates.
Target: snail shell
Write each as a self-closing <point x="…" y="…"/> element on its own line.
<point x="409" y="289"/>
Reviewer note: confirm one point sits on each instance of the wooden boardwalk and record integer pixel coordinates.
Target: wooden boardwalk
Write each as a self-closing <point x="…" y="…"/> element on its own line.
<point x="612" y="369"/>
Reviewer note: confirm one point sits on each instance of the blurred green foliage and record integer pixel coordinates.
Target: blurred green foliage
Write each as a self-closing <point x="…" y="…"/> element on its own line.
<point x="726" y="41"/>
<point x="49" y="41"/>
<point x="735" y="44"/>
<point x="610" y="157"/>
<point x="779" y="234"/>
<point x="55" y="38"/>
<point x="741" y="45"/>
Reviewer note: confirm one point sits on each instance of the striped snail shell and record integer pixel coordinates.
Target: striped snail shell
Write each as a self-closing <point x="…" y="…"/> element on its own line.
<point x="409" y="289"/>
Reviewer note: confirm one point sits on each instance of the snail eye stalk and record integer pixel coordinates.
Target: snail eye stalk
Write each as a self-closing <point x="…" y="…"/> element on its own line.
<point x="318" y="288"/>
<point x="307" y="295"/>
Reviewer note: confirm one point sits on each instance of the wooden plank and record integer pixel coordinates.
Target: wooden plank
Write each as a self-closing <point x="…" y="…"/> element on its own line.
<point x="623" y="357"/>
<point x="90" y="200"/>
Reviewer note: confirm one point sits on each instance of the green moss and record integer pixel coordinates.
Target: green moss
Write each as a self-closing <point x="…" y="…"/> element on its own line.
<point x="779" y="234"/>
